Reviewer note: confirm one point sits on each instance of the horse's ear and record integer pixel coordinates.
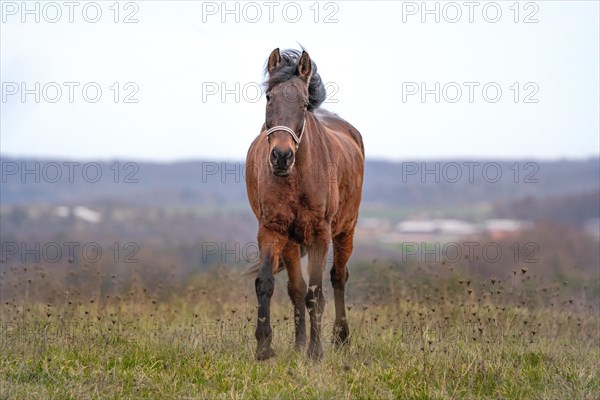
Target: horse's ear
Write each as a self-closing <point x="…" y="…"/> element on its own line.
<point x="274" y="60"/>
<point x="305" y="67"/>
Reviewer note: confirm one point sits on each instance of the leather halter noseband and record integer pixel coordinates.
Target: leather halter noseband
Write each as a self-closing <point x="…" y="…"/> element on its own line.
<point x="297" y="138"/>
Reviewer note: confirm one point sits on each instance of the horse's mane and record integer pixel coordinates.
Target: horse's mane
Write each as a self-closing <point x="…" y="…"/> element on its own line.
<point x="288" y="68"/>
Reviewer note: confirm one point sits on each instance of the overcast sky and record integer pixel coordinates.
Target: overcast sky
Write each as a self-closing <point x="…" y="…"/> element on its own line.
<point x="376" y="58"/>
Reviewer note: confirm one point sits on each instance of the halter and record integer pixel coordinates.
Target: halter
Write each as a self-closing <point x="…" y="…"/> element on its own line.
<point x="297" y="138"/>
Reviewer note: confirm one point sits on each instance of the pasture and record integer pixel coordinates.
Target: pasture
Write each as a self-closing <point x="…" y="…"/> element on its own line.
<point x="426" y="333"/>
<point x="429" y="194"/>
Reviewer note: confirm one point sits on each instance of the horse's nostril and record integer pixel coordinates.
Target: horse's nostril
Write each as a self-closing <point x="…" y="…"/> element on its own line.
<point x="281" y="157"/>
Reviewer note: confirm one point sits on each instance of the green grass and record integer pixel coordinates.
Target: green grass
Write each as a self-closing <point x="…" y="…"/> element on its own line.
<point x="197" y="342"/>
<point x="473" y="212"/>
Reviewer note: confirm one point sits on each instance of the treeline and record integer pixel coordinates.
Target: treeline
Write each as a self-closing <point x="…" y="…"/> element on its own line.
<point x="209" y="183"/>
<point x="573" y="209"/>
<point x="541" y="260"/>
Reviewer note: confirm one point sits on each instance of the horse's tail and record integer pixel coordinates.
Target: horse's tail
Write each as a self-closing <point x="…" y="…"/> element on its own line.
<point x="253" y="270"/>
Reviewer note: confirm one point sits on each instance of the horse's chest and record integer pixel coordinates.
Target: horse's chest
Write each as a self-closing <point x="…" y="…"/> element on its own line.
<point x="300" y="218"/>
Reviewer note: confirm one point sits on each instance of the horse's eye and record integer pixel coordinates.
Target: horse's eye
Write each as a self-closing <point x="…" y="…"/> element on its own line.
<point x="268" y="98"/>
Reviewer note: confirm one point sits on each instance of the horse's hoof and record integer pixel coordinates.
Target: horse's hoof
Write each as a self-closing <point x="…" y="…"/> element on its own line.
<point x="341" y="342"/>
<point x="300" y="344"/>
<point x="264" y="353"/>
<point x="340" y="338"/>
<point x="315" y="351"/>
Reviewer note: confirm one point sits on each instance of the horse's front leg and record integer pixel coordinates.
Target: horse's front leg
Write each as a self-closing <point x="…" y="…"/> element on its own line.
<point x="270" y="246"/>
<point x="315" y="300"/>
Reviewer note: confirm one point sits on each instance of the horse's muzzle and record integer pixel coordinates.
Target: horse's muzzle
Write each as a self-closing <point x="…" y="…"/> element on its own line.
<point x="281" y="162"/>
<point x="281" y="173"/>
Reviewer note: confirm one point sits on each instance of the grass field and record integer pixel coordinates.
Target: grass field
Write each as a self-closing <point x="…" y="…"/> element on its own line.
<point x="454" y="339"/>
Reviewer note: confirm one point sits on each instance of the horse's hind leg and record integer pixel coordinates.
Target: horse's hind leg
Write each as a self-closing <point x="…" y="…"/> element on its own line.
<point x="315" y="300"/>
<point x="296" y="290"/>
<point x="342" y="249"/>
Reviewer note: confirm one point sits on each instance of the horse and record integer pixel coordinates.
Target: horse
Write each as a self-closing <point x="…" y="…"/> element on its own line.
<point x="304" y="176"/>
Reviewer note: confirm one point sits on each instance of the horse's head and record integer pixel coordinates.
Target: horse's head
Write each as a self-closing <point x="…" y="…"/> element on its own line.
<point x="287" y="103"/>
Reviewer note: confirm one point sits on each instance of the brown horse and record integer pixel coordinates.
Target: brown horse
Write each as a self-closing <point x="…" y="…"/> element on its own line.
<point x="304" y="175"/>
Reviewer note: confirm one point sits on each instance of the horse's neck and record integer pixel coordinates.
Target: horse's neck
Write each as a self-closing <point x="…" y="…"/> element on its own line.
<point x="312" y="156"/>
<point x="304" y="157"/>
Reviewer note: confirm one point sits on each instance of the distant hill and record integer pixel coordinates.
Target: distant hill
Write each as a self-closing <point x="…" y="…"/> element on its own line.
<point x="221" y="184"/>
<point x="179" y="213"/>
